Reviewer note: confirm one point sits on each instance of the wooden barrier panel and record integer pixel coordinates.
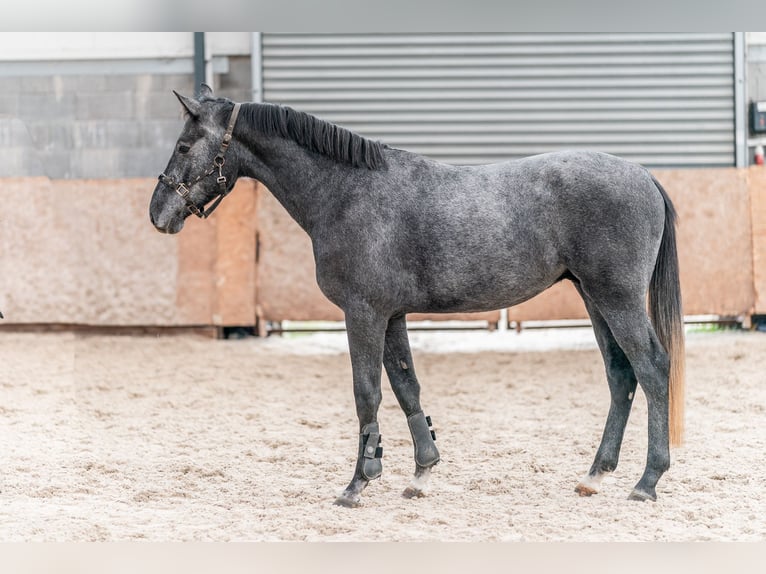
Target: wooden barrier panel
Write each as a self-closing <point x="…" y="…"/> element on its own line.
<point x="84" y="252"/>
<point x="714" y="246"/>
<point x="714" y="240"/>
<point x="287" y="287"/>
<point x="757" y="186"/>
<point x="217" y="262"/>
<point x="235" y="268"/>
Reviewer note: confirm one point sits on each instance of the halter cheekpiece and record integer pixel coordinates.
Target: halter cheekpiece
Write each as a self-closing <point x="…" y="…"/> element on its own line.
<point x="183" y="189"/>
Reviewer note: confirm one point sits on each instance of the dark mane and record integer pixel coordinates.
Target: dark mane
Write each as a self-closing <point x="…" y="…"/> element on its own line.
<point x="314" y="134"/>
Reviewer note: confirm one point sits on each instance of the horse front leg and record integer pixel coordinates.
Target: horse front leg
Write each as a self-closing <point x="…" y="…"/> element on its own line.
<point x="366" y="330"/>
<point x="397" y="359"/>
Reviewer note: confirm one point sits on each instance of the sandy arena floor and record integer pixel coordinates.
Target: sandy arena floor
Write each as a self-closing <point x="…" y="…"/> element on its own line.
<point x="184" y="438"/>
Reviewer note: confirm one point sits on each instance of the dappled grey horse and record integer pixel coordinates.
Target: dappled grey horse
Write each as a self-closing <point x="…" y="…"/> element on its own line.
<point x="395" y="233"/>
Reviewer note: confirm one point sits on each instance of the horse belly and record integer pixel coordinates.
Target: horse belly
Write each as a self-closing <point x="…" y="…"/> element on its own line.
<point x="475" y="285"/>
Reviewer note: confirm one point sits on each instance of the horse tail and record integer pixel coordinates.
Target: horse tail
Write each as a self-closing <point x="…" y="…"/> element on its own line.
<point x="666" y="313"/>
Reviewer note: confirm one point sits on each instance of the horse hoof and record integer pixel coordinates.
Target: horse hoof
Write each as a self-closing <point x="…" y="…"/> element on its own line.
<point x="411" y="492"/>
<point x="642" y="496"/>
<point x="583" y="490"/>
<point x="348" y="502"/>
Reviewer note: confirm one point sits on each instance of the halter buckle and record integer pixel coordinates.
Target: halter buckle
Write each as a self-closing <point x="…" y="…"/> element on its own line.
<point x="185" y="192"/>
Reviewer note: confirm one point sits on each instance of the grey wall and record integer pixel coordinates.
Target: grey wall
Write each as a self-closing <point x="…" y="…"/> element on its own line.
<point x="660" y="99"/>
<point x="757" y="80"/>
<point x="756" y="89"/>
<point x="756" y="72"/>
<point x="117" y="125"/>
<point x="98" y="125"/>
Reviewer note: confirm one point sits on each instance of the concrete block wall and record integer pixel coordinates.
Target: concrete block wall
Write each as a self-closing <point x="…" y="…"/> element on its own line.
<point x="90" y="126"/>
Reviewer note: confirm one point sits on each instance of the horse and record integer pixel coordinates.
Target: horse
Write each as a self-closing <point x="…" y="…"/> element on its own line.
<point x="394" y="232"/>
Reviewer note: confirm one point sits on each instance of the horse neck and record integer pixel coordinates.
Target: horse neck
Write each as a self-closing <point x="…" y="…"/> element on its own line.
<point x="299" y="179"/>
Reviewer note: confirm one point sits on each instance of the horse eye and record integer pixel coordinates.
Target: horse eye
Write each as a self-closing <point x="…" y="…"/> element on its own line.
<point x="183" y="148"/>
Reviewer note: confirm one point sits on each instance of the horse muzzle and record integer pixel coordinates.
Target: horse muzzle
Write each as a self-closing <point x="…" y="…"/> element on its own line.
<point x="165" y="224"/>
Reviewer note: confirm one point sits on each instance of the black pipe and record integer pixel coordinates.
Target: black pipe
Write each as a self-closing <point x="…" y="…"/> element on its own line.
<point x="199" y="61"/>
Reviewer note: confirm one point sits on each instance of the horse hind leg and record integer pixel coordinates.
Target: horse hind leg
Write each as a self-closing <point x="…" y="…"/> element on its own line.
<point x="622" y="387"/>
<point x="397" y="360"/>
<point x="629" y="323"/>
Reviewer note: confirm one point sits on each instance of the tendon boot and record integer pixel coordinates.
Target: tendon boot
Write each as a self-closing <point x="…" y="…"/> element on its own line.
<point x="423" y="437"/>
<point x="370" y="451"/>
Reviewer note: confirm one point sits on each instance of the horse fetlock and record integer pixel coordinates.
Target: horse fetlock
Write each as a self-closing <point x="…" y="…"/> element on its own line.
<point x="590" y="484"/>
<point x="605" y="466"/>
<point x="370" y="451"/>
<point x="423" y="437"/>
<point x="419" y="484"/>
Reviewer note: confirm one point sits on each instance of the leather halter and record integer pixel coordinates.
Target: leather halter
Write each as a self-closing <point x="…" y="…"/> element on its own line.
<point x="183" y="189"/>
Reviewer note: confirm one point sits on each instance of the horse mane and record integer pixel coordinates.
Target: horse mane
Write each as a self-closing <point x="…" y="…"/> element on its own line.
<point x="314" y="134"/>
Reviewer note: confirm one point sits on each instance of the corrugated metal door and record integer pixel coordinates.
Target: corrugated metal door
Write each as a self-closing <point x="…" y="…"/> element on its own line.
<point x="664" y="100"/>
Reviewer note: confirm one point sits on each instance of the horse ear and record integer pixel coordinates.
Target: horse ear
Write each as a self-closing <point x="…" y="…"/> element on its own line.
<point x="205" y="91"/>
<point x="191" y="106"/>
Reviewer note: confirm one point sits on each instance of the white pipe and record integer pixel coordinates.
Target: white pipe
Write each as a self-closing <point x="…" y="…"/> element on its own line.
<point x="256" y="67"/>
<point x="502" y="324"/>
<point x="740" y="101"/>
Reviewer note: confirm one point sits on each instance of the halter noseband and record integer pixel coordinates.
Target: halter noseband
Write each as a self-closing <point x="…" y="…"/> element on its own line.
<point x="183" y="189"/>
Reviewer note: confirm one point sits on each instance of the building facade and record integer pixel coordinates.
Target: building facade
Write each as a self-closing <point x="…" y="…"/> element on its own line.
<point x="99" y="105"/>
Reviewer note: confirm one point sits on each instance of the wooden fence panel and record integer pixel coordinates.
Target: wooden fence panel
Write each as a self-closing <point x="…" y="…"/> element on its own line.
<point x="84" y="252"/>
<point x="287" y="288"/>
<point x="714" y="246"/>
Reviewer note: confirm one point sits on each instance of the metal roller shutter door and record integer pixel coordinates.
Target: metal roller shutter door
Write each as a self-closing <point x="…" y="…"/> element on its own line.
<point x="664" y="100"/>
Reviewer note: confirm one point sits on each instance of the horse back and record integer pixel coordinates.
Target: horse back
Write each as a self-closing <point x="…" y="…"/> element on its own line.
<point x="430" y="237"/>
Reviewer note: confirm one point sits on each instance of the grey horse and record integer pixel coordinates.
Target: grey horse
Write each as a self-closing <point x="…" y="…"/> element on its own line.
<point x="395" y="233"/>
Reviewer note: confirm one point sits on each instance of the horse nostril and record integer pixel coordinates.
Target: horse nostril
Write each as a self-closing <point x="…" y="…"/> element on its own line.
<point x="159" y="228"/>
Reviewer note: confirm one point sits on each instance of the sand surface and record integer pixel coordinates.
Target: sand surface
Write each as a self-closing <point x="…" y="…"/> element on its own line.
<point x="186" y="438"/>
